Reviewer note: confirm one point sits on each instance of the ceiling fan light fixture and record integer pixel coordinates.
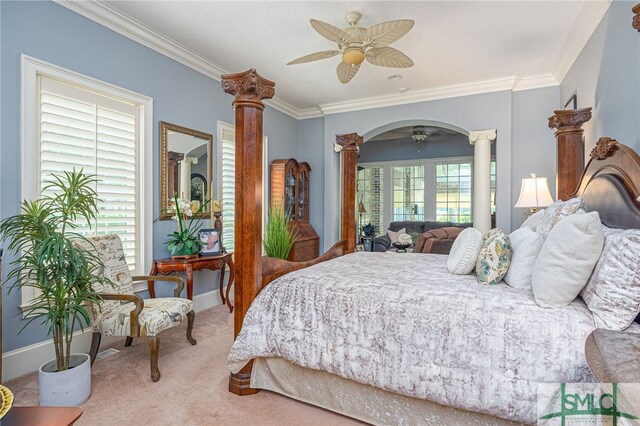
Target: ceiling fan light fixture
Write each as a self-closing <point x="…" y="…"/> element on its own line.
<point x="419" y="134"/>
<point x="353" y="56"/>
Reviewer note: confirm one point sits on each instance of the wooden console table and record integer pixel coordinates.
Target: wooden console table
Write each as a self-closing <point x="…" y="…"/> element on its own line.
<point x="213" y="263"/>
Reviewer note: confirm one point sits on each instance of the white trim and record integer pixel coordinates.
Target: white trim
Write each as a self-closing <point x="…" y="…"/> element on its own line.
<point x="31" y="68"/>
<point x="586" y="23"/>
<point x="29" y="358"/>
<point x="589" y="18"/>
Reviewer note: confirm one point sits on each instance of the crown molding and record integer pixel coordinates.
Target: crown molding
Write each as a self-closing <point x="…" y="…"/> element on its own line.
<point x="413" y="96"/>
<point x="588" y="19"/>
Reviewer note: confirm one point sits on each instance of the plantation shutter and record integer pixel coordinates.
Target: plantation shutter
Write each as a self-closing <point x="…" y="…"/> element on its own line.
<point x="228" y="183"/>
<point x="86" y="130"/>
<point x="227" y="188"/>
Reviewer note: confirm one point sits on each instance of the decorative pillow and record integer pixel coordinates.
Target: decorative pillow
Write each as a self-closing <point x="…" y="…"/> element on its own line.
<point x="494" y="258"/>
<point x="533" y="220"/>
<point x="555" y="213"/>
<point x="492" y="233"/>
<point x="393" y="235"/>
<point x="526" y="245"/>
<point x="566" y="259"/>
<point x="464" y="252"/>
<point x="613" y="291"/>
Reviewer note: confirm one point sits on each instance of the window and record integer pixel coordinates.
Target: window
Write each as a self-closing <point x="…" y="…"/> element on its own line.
<point x="408" y="192"/>
<point x="453" y="192"/>
<point x="227" y="176"/>
<point x="369" y="195"/>
<point x="435" y="189"/>
<point x="72" y="121"/>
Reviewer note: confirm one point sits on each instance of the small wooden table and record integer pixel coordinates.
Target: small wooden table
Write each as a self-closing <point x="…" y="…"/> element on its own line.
<point x="41" y="416"/>
<point x="213" y="263"/>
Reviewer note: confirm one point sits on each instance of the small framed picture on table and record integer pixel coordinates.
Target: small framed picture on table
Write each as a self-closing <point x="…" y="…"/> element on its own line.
<point x="211" y="242"/>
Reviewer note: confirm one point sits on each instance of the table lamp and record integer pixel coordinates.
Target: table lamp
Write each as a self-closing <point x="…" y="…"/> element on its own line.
<point x="534" y="193"/>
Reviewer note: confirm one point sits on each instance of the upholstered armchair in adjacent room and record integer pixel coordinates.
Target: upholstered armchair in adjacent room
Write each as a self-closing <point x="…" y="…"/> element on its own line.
<point x="123" y="313"/>
<point x="437" y="241"/>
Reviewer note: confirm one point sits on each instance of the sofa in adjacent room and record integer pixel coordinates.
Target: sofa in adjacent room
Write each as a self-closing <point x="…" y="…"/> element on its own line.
<point x="435" y="242"/>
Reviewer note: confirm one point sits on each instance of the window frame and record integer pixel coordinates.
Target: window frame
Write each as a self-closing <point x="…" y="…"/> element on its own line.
<point x="31" y="70"/>
<point x="429" y="176"/>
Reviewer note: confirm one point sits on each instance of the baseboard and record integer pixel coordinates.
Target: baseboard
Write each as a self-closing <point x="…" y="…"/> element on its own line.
<point x="28" y="359"/>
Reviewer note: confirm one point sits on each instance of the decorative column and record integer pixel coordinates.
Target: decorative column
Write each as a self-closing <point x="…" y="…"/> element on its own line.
<point x="249" y="88"/>
<point x="636" y="17"/>
<point x="570" y="148"/>
<point x="348" y="145"/>
<point x="481" y="141"/>
<point x="185" y="177"/>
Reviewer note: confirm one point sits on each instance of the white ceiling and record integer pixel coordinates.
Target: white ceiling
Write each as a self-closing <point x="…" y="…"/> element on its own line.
<point x="452" y="43"/>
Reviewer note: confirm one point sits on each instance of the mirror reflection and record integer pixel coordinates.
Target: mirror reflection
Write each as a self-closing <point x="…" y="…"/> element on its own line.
<point x="185" y="167"/>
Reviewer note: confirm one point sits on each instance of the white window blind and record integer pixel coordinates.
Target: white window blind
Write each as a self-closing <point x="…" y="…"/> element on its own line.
<point x="82" y="129"/>
<point x="227" y="176"/>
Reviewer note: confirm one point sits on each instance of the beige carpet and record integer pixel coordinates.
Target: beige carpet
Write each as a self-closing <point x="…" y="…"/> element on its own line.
<point x="192" y="390"/>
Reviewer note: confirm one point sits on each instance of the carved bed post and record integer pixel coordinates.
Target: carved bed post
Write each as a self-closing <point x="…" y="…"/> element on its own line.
<point x="249" y="88"/>
<point x="348" y="145"/>
<point x="636" y="17"/>
<point x="570" y="146"/>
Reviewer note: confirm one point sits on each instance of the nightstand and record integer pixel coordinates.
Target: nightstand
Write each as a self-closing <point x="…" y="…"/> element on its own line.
<point x="614" y="357"/>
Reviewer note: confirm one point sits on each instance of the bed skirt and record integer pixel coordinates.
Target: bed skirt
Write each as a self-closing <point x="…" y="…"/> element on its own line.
<point x="356" y="400"/>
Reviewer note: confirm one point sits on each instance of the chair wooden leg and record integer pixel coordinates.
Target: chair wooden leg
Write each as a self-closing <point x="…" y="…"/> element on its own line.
<point x="154" y="346"/>
<point x="128" y="342"/>
<point x="95" y="345"/>
<point x="191" y="316"/>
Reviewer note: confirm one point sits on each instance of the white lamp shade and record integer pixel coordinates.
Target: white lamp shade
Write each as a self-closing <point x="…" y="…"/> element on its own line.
<point x="534" y="193"/>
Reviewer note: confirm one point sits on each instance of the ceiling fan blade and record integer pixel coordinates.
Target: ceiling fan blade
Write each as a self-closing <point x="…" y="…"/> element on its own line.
<point x="346" y="72"/>
<point x="325" y="54"/>
<point x="329" y="32"/>
<point x="388" y="57"/>
<point x="385" y="33"/>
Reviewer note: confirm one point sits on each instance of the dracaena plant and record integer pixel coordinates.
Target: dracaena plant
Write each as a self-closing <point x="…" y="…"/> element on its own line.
<point x="185" y="240"/>
<point x="279" y="236"/>
<point x="48" y="257"/>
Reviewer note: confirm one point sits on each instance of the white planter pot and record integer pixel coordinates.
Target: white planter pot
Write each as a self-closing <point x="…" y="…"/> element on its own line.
<point x="71" y="387"/>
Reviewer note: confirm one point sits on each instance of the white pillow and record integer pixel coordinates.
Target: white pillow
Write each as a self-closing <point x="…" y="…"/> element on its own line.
<point x="566" y="260"/>
<point x="613" y="292"/>
<point x="393" y="236"/>
<point x="555" y="213"/>
<point x="526" y="245"/>
<point x="464" y="252"/>
<point x="533" y="220"/>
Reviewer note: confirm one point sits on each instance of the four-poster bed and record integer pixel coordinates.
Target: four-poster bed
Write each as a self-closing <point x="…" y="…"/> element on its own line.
<point x="609" y="185"/>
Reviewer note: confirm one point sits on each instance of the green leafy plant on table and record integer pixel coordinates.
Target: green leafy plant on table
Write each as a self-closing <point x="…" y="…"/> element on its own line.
<point x="185" y="241"/>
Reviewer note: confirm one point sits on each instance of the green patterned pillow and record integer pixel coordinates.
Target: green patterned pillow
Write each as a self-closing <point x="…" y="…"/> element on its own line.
<point x="494" y="259"/>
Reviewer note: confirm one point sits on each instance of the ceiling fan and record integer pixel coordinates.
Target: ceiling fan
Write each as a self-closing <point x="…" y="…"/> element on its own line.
<point x="357" y="43"/>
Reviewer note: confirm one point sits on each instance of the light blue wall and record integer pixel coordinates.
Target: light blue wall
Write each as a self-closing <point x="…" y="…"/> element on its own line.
<point x="477" y="112"/>
<point x="534" y="144"/>
<point x="181" y="95"/>
<point x="606" y="76"/>
<point x="407" y="149"/>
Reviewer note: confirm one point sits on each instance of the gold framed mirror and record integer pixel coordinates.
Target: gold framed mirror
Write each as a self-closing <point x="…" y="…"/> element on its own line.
<point x="186" y="168"/>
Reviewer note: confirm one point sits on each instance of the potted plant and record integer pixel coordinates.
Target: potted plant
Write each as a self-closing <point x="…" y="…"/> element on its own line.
<point x="184" y="243"/>
<point x="44" y="240"/>
<point x="279" y="236"/>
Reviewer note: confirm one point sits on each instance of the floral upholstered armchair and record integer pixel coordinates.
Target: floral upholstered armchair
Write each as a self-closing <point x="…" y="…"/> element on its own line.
<point x="123" y="313"/>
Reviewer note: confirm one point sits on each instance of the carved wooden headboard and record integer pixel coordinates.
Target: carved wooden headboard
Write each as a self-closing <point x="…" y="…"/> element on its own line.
<point x="610" y="184"/>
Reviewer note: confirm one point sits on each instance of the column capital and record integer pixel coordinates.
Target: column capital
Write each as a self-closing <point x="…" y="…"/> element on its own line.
<point x="569" y="120"/>
<point x="476" y="135"/>
<point x="636" y="17"/>
<point x="248" y="87"/>
<point x="348" y="142"/>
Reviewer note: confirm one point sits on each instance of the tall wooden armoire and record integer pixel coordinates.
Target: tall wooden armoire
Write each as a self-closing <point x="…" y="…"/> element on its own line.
<point x="290" y="189"/>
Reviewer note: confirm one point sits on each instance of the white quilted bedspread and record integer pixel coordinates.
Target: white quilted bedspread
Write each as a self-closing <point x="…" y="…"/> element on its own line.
<point x="402" y="323"/>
